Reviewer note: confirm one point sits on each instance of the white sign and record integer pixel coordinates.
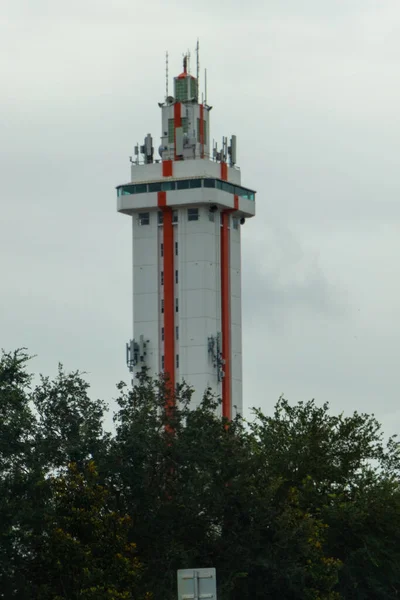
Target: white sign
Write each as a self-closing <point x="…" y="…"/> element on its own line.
<point x="197" y="584"/>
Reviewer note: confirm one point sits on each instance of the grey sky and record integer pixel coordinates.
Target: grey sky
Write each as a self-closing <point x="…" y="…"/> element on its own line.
<point x="311" y="89"/>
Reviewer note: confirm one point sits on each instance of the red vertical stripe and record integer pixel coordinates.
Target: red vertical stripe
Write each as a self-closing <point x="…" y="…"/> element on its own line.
<point x="169" y="300"/>
<point x="162" y="198"/>
<point x="169" y="297"/>
<point x="201" y="131"/>
<point x="177" y="123"/>
<point x="236" y="202"/>
<point x="226" y="317"/>
<point x="224" y="171"/>
<point x="167" y="168"/>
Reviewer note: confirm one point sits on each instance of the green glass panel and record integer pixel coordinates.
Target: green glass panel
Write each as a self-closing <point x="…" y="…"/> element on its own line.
<point x="195" y="183"/>
<point x="167" y="186"/>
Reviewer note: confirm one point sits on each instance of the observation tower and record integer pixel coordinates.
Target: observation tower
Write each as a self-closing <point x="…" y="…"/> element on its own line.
<point x="187" y="207"/>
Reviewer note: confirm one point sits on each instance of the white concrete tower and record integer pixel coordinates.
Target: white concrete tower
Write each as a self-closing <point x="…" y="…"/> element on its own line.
<point x="187" y="208"/>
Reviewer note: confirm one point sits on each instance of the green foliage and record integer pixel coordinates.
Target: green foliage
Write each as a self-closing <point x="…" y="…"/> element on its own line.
<point x="298" y="505"/>
<point x="85" y="551"/>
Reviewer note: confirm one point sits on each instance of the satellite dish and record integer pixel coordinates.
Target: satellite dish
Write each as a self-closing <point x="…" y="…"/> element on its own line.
<point x="162" y="149"/>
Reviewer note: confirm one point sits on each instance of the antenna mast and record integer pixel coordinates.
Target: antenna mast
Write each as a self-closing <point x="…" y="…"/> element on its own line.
<point x="166" y="75"/>
<point x="197" y="67"/>
<point x="205" y="86"/>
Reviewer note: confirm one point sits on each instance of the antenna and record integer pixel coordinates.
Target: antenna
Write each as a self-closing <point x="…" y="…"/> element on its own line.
<point x="166" y="75"/>
<point x="197" y="67"/>
<point x="205" y="86"/>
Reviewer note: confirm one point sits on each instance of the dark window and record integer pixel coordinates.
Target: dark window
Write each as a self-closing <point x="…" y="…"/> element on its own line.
<point x="176" y="248"/>
<point x="177" y="332"/>
<point x="144" y="218"/>
<point x="176" y="276"/>
<point x="228" y="187"/>
<point x="162" y="305"/>
<point x="195" y="183"/>
<point x="155" y="187"/>
<point x="162" y="277"/>
<point x="235" y="223"/>
<point x="141" y="188"/>
<point x="177" y="361"/>
<point x="127" y="189"/>
<point x="162" y="250"/>
<point x="174" y="216"/>
<point x="162" y="362"/>
<point x="182" y="185"/>
<point x="167" y="185"/>
<point x="209" y="183"/>
<point x="193" y="214"/>
<point x="160" y="217"/>
<point x="162" y="334"/>
<point x="218" y="184"/>
<point x="176" y="305"/>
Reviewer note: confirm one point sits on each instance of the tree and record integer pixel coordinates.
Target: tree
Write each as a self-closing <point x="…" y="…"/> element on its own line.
<point x="347" y="477"/>
<point x="83" y="550"/>
<point x="300" y="504"/>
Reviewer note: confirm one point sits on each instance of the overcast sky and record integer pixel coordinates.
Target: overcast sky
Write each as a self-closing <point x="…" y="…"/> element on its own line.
<point x="312" y="90"/>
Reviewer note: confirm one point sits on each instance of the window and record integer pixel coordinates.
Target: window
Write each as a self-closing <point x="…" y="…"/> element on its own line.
<point x="162" y="277"/>
<point x="167" y="186"/>
<point x="144" y="218"/>
<point x="195" y="183"/>
<point x="176" y="248"/>
<point x="193" y="214"/>
<point x="177" y="361"/>
<point x="162" y="305"/>
<point x="193" y="88"/>
<point x="174" y="216"/>
<point x="176" y="305"/>
<point x="171" y="127"/>
<point x="176" y="276"/>
<point x="182" y="185"/>
<point x="141" y="188"/>
<point x="155" y="187"/>
<point x="211" y="216"/>
<point x="162" y="334"/>
<point x="162" y="363"/>
<point x="209" y="183"/>
<point x="218" y="184"/>
<point x="227" y="187"/>
<point x="170" y="131"/>
<point x="235" y="223"/>
<point x="162" y="250"/>
<point x="181" y="89"/>
<point x="177" y="332"/>
<point x="160" y="218"/>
